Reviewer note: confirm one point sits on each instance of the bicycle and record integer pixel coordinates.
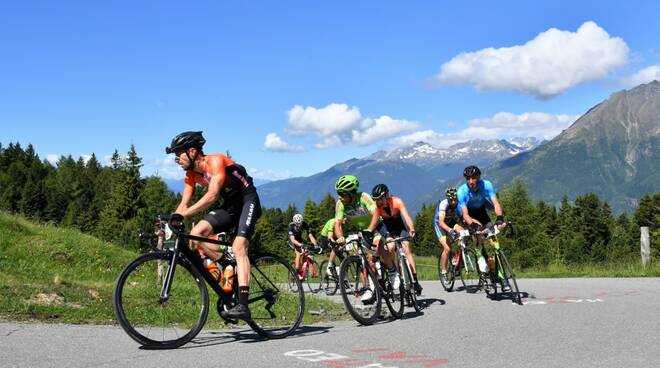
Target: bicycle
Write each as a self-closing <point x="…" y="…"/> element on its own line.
<point x="499" y="268"/>
<point x="463" y="264"/>
<point x="170" y="315"/>
<point x="330" y="282"/>
<point x="310" y="271"/>
<point x="405" y="273"/>
<point x="358" y="276"/>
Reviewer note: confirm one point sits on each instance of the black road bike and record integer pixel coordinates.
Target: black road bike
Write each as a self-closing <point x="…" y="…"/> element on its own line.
<point x="167" y="312"/>
<point x="499" y="271"/>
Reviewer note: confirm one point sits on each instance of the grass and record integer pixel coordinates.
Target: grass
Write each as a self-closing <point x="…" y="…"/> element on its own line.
<point x="52" y="274"/>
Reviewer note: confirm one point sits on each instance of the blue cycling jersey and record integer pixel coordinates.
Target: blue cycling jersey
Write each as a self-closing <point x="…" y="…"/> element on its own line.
<point x="480" y="198"/>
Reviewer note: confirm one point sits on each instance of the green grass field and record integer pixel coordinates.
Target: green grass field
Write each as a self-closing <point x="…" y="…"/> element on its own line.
<point x="53" y="274"/>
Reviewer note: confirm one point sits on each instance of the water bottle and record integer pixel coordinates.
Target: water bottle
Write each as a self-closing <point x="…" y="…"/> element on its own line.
<point x="212" y="267"/>
<point x="378" y="270"/>
<point x="457" y="256"/>
<point x="228" y="279"/>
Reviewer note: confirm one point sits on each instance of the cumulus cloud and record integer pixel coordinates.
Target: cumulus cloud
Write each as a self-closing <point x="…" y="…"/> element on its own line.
<point x="643" y="76"/>
<point x="501" y="125"/>
<point x="269" y="174"/>
<point x="544" y="67"/>
<point x="274" y="143"/>
<point x="52" y="158"/>
<point x="164" y="167"/>
<point x="338" y="124"/>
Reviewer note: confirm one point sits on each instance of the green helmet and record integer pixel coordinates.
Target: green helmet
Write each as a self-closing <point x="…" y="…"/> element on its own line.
<point x="346" y="184"/>
<point x="451" y="193"/>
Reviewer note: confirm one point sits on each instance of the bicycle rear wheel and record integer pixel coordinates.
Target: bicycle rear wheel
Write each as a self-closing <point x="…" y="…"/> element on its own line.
<point x="470" y="272"/>
<point x="510" y="277"/>
<point x="145" y="316"/>
<point x="277" y="307"/>
<point x="355" y="283"/>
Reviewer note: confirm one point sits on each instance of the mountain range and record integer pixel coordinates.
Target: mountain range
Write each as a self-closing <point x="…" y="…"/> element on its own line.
<point x="612" y="150"/>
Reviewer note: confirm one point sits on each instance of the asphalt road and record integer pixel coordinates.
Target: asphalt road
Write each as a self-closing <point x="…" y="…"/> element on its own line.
<point x="564" y="323"/>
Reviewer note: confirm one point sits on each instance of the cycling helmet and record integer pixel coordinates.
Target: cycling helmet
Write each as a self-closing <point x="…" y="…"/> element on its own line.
<point x="297" y="219"/>
<point x="379" y="191"/>
<point x="471" y="171"/>
<point x="451" y="193"/>
<point x="186" y="140"/>
<point x="346" y="184"/>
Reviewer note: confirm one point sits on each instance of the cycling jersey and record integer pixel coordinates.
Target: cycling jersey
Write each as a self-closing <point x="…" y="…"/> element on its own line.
<point x="391" y="216"/>
<point x="238" y="205"/>
<point x="356" y="216"/>
<point x="328" y="228"/>
<point x="476" y="202"/>
<point x="473" y="200"/>
<point x="451" y="217"/>
<point x="297" y="231"/>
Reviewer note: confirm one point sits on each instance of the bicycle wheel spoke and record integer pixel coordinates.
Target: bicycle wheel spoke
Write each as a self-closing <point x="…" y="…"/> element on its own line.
<point x="358" y="290"/>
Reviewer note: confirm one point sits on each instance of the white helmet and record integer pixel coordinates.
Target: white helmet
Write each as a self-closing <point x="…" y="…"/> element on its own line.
<point x="297" y="219"/>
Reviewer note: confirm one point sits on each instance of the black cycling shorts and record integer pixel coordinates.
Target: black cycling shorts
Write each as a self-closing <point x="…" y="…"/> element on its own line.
<point x="228" y="217"/>
<point x="480" y="214"/>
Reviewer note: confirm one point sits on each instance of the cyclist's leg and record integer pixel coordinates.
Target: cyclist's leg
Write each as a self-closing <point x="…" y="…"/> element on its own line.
<point x="214" y="222"/>
<point x="251" y="210"/>
<point x="445" y="253"/>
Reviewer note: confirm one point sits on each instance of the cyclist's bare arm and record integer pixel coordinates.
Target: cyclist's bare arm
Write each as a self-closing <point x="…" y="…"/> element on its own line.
<point x="441" y="221"/>
<point x="374" y="221"/>
<point x="468" y="220"/>
<point x="406" y="217"/>
<point x="185" y="199"/>
<point x="293" y="241"/>
<point x="339" y="231"/>
<point x="497" y="206"/>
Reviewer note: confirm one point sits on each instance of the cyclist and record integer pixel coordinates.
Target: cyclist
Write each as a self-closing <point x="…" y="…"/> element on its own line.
<point x="295" y="239"/>
<point x="353" y="212"/>
<point x="446" y="222"/>
<point x="474" y="198"/>
<point x="234" y="200"/>
<point x="327" y="240"/>
<point x="397" y="222"/>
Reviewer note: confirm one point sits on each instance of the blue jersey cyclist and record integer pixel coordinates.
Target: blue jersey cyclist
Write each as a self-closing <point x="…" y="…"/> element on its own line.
<point x="475" y="197"/>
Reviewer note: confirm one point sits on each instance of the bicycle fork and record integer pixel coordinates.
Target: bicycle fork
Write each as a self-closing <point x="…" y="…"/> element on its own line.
<point x="167" y="285"/>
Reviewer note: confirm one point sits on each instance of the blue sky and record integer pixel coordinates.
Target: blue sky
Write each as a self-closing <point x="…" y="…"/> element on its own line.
<point x="291" y="88"/>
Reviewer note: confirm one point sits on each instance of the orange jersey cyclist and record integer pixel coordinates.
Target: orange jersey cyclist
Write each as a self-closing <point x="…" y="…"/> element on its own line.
<point x="397" y="222"/>
<point x="234" y="200"/>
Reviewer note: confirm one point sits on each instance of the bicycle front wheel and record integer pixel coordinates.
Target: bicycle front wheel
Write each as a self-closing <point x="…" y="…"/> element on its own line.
<point x="469" y="271"/>
<point x="408" y="282"/>
<point x="277" y="300"/>
<point x="510" y="277"/>
<point x="328" y="281"/>
<point x="153" y="321"/>
<point x="313" y="276"/>
<point x="394" y="298"/>
<point x="358" y="290"/>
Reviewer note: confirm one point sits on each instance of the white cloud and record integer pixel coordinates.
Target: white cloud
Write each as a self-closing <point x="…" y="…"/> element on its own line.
<point x="274" y="143"/>
<point x="501" y="125"/>
<point x="546" y="66"/>
<point x="52" y="158"/>
<point x="529" y="124"/>
<point x="337" y="124"/>
<point x="643" y="76"/>
<point x="164" y="167"/>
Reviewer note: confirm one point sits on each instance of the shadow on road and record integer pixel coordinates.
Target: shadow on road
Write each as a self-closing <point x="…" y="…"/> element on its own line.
<point x="245" y="336"/>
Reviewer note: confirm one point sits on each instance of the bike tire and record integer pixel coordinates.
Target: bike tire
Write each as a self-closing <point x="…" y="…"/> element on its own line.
<point x="277" y="309"/>
<point x="328" y="282"/>
<point x="313" y="276"/>
<point x="448" y="284"/>
<point x="154" y="323"/>
<point x="395" y="299"/>
<point x="470" y="272"/>
<point x="353" y="286"/>
<point x="411" y="295"/>
<point x="511" y="277"/>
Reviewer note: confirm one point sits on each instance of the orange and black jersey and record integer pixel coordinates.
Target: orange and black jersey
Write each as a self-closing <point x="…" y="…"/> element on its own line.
<point x="237" y="182"/>
<point x="391" y="213"/>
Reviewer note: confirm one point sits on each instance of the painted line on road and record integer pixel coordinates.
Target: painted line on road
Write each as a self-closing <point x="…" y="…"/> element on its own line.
<point x="334" y="360"/>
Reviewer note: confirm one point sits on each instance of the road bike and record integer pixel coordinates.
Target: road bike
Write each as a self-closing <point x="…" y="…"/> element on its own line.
<point x="405" y="273"/>
<point x="499" y="271"/>
<point x="364" y="283"/>
<point x="310" y="272"/>
<point x="462" y="264"/>
<point x="170" y="313"/>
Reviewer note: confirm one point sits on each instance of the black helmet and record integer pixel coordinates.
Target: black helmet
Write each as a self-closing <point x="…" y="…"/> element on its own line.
<point x="379" y="191"/>
<point x="471" y="171"/>
<point x="451" y="193"/>
<point x="186" y="140"/>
